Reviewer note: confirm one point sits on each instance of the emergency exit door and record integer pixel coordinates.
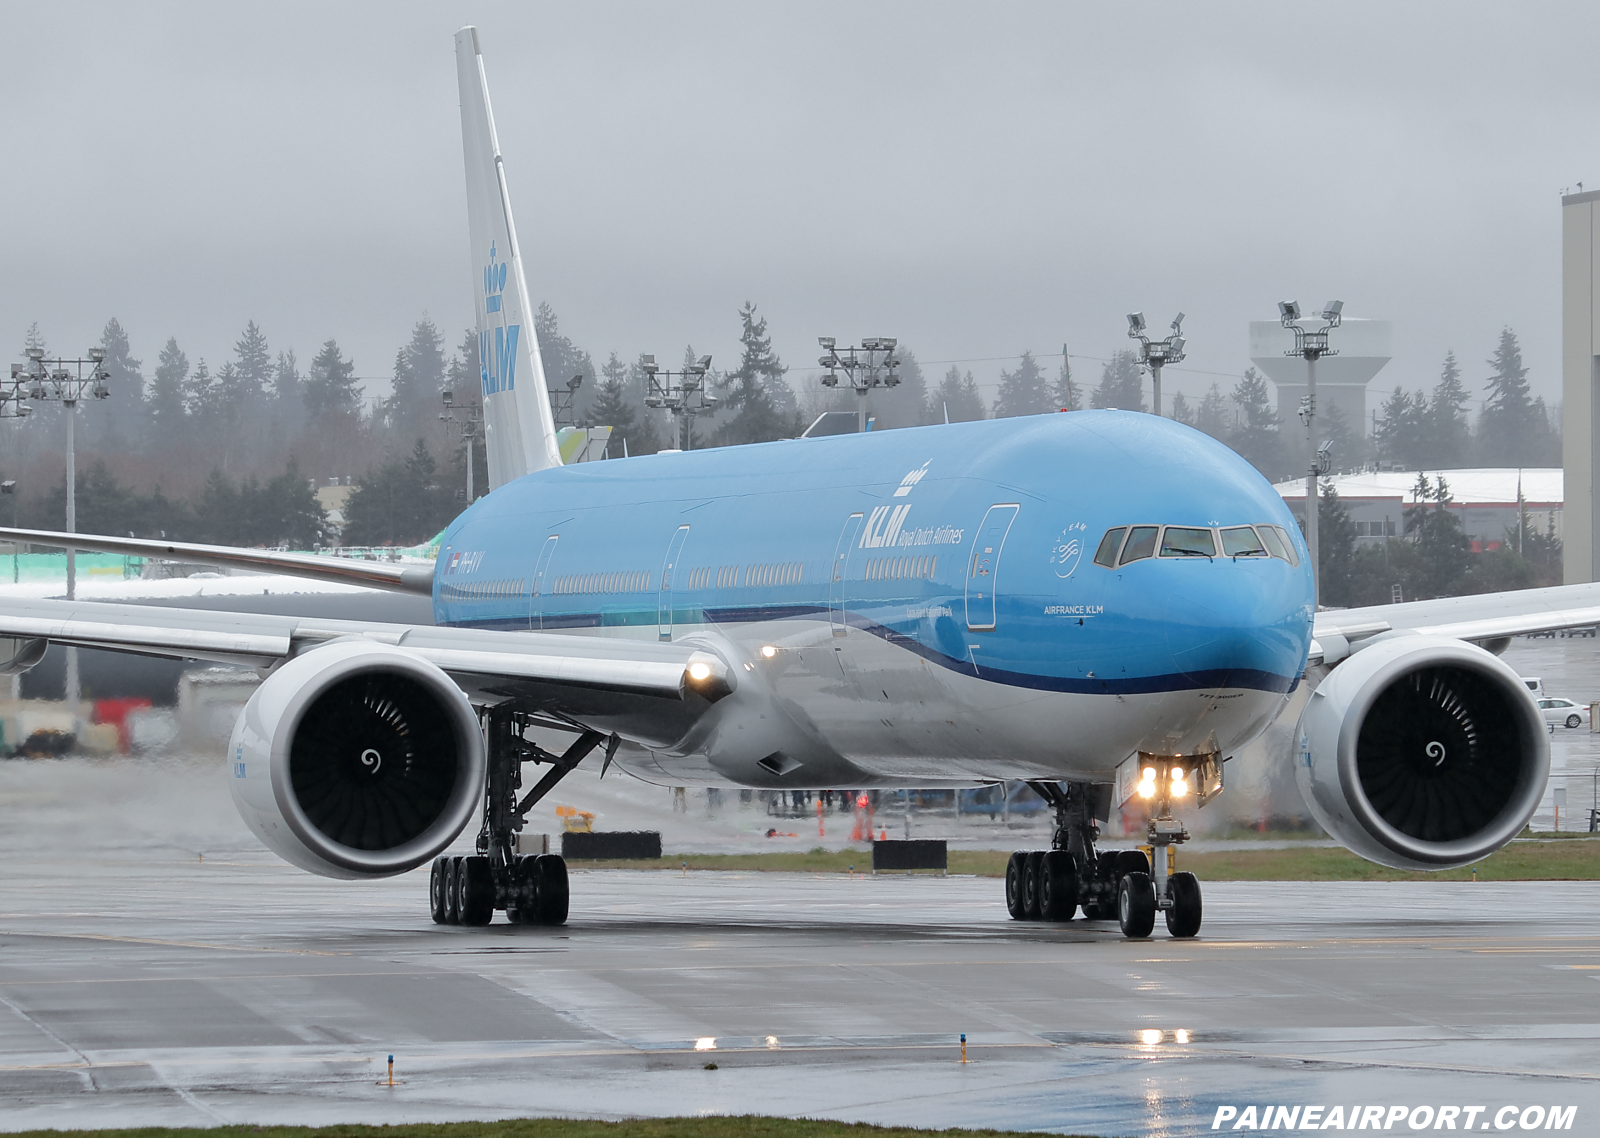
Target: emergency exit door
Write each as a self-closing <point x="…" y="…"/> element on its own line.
<point x="669" y="578"/>
<point x="983" y="570"/>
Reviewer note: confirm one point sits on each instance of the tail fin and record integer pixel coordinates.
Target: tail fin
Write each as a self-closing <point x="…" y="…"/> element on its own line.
<point x="519" y="431"/>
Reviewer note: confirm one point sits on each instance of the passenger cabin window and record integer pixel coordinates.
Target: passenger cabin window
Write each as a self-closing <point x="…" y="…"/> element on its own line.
<point x="1241" y="541"/>
<point x="1141" y="544"/>
<point x="1107" y="553"/>
<point x="1181" y="541"/>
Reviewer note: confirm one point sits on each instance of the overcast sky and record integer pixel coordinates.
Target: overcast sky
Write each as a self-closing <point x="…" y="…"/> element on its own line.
<point x="974" y="179"/>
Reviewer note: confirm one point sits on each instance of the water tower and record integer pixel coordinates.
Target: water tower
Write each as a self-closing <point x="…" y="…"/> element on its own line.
<point x="1363" y="347"/>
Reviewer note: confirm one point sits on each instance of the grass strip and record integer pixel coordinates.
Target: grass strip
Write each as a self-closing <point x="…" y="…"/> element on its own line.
<point x="744" y="1126"/>
<point x="1538" y="860"/>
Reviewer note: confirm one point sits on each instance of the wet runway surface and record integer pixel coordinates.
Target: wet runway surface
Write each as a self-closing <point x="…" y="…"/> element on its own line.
<point x="149" y="986"/>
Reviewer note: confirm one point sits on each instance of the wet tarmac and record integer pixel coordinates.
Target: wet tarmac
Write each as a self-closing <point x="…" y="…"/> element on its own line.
<point x="154" y="987"/>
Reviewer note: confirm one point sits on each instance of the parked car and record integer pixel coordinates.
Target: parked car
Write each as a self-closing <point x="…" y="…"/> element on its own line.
<point x="1564" y="711"/>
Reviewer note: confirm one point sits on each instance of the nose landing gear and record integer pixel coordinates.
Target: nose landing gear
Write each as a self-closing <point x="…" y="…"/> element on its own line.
<point x="1051" y="885"/>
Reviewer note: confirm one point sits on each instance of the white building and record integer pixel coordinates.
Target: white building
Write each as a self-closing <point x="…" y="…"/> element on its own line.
<point x="1484" y="499"/>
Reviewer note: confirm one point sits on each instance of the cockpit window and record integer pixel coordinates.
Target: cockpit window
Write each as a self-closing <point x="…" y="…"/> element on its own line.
<point x="1241" y="541"/>
<point x="1141" y="544"/>
<point x="1274" y="543"/>
<point x="1293" y="558"/>
<point x="1107" y="553"/>
<point x="1181" y="541"/>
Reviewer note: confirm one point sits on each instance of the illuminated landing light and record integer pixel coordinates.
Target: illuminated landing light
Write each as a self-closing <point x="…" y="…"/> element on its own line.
<point x="709" y="1043"/>
<point x="699" y="671"/>
<point x="768" y="651"/>
<point x="1180" y="1036"/>
<point x="1147" y="789"/>
<point x="772" y="1043"/>
<point x="1179" y="788"/>
<point x="1177" y="774"/>
<point x="1149" y="774"/>
<point x="1150" y="1037"/>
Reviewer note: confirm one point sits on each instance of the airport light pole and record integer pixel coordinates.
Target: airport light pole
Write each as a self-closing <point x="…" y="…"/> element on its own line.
<point x="471" y="431"/>
<point x="681" y="392"/>
<point x="65" y="382"/>
<point x="1157" y="354"/>
<point x="873" y="364"/>
<point x="561" y="400"/>
<point x="1311" y="345"/>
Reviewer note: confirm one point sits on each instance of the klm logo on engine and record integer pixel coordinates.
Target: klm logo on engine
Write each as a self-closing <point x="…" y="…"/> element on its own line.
<point x="497" y="347"/>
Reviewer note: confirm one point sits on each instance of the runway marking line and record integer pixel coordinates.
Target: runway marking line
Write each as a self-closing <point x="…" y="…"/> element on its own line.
<point x="176" y="943"/>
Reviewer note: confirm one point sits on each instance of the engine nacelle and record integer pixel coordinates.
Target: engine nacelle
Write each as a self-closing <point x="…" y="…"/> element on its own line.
<point x="357" y="760"/>
<point x="1422" y="752"/>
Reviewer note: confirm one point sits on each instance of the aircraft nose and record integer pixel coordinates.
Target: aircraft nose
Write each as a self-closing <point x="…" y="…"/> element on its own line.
<point x="1234" y="623"/>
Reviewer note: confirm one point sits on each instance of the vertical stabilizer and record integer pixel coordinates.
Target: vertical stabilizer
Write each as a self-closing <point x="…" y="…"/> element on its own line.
<point x="519" y="431"/>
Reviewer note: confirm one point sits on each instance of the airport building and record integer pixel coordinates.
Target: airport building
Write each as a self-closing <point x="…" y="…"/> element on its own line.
<point x="1486" y="501"/>
<point x="1363" y="348"/>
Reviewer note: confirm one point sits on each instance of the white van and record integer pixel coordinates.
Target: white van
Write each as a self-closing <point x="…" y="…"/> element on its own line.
<point x="1535" y="685"/>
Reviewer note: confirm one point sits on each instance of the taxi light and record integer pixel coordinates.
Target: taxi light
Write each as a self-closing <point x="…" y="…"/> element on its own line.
<point x="1177" y="774"/>
<point x="1179" y="788"/>
<point x="1150" y="1037"/>
<point x="768" y="651"/>
<point x="1181" y="1035"/>
<point x="1149" y="774"/>
<point x="1147" y="788"/>
<point x="699" y="671"/>
<point x="706" y="1043"/>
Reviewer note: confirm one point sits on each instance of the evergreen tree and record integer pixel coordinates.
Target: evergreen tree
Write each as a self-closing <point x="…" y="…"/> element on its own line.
<point x="201" y="399"/>
<point x="1025" y="391"/>
<point x="1448" y="434"/>
<point x="288" y="394"/>
<point x="419" y="376"/>
<point x="615" y="406"/>
<point x="957" y="397"/>
<point x="168" y="396"/>
<point x="330" y="388"/>
<point x="463" y="372"/>
<point x="562" y="360"/>
<point x="905" y="404"/>
<point x="1181" y="411"/>
<point x="1213" y="415"/>
<point x="1344" y="445"/>
<point x="1513" y="428"/>
<point x="1257" y="438"/>
<point x="34" y="338"/>
<point x="125" y="418"/>
<point x="1401" y="436"/>
<point x="400" y="502"/>
<point x="1442" y="548"/>
<point x="217" y="514"/>
<point x="1121" y="384"/>
<point x="1336" y="545"/>
<point x="253" y="375"/>
<point x="752" y="391"/>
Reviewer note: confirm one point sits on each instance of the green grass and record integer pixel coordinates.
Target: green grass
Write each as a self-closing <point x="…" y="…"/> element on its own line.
<point x="1563" y="860"/>
<point x="747" y="1126"/>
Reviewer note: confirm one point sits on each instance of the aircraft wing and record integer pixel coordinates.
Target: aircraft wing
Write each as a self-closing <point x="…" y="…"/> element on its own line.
<point x="346" y="570"/>
<point x="473" y="657"/>
<point x="1482" y="618"/>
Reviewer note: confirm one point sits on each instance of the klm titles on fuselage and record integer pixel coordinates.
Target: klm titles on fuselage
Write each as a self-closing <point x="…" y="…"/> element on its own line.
<point x="886" y="527"/>
<point x="497" y="346"/>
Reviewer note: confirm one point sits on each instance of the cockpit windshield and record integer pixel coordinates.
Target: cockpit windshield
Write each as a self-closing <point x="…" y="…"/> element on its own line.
<point x="1181" y="541"/>
<point x="1241" y="541"/>
<point x="1123" y="544"/>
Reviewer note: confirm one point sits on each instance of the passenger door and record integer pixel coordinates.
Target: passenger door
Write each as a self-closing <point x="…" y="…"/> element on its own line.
<point x="840" y="571"/>
<point x="669" y="566"/>
<point x="542" y="578"/>
<point x="983" y="570"/>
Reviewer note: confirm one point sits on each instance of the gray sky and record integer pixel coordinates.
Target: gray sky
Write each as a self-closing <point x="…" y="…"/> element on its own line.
<point x="976" y="180"/>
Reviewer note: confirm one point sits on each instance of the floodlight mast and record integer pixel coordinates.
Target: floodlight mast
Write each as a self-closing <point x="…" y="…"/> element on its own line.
<point x="685" y="398"/>
<point x="1156" y="354"/>
<point x="1311" y="346"/>
<point x="873" y="364"/>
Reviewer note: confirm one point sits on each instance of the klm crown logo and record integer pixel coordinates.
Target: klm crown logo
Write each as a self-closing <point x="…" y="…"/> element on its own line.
<point x="497" y="346"/>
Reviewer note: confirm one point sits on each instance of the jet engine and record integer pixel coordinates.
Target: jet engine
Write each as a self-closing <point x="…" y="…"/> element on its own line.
<point x="357" y="760"/>
<point x="1422" y="752"/>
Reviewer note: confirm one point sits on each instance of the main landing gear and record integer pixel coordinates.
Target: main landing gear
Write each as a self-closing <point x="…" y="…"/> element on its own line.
<point x="531" y="889"/>
<point x="1050" y="885"/>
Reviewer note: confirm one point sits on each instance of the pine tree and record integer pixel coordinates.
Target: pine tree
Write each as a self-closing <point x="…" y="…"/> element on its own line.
<point x="1336" y="546"/>
<point x="1510" y="428"/>
<point x="400" y="502"/>
<point x="614" y="406"/>
<point x="1448" y="434"/>
<point x="253" y="375"/>
<point x="200" y="398"/>
<point x="463" y="372"/>
<point x="752" y="390"/>
<point x="168" y="397"/>
<point x="562" y="360"/>
<point x="1121" y="384"/>
<point x="1345" y="446"/>
<point x="1025" y="391"/>
<point x="419" y="376"/>
<point x="1213" y="416"/>
<point x="957" y="399"/>
<point x="127" y="381"/>
<point x="1257" y="437"/>
<point x="1401" y="435"/>
<point x="330" y="388"/>
<point x="1181" y="411"/>
<point x="905" y="404"/>
<point x="1442" y="547"/>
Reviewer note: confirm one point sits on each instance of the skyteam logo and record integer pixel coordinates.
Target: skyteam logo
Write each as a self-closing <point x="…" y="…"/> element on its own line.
<point x="497" y="347"/>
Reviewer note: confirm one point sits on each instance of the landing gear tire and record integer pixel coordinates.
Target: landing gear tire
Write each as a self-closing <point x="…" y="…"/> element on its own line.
<point x="437" y="902"/>
<point x="1032" y="884"/>
<point x="1136" y="905"/>
<point x="1058" y="886"/>
<point x="475" y="891"/>
<point x="551" y="873"/>
<point x="1183" y="919"/>
<point x="1016" y="872"/>
<point x="1573" y="721"/>
<point x="452" y="891"/>
<point x="1131" y="861"/>
<point x="525" y="893"/>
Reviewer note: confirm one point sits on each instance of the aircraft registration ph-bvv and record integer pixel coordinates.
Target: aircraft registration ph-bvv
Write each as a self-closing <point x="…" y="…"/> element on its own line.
<point x="1105" y="604"/>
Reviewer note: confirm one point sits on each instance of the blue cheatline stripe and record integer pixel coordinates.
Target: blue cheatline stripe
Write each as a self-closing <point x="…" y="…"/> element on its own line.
<point x="1211" y="678"/>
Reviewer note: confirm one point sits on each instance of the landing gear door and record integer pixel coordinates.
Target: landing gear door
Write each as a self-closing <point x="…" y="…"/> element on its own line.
<point x="983" y="570"/>
<point x="541" y="583"/>
<point x="840" y="571"/>
<point x="669" y="574"/>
